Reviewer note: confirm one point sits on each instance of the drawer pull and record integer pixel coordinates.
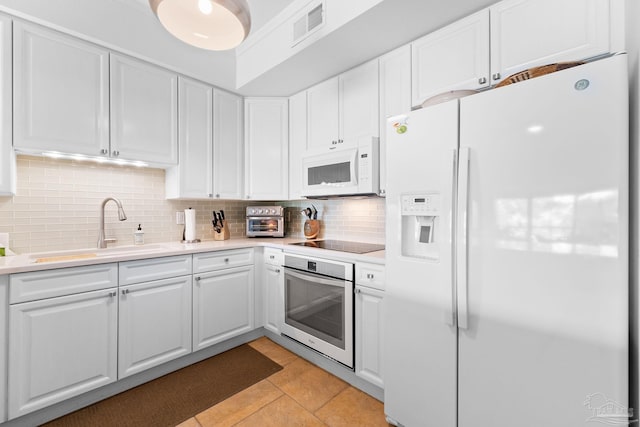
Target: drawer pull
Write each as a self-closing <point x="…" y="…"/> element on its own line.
<point x="277" y="270"/>
<point x="125" y="291"/>
<point x="112" y="294"/>
<point x="271" y="257"/>
<point x="197" y="279"/>
<point x="226" y="260"/>
<point x="370" y="276"/>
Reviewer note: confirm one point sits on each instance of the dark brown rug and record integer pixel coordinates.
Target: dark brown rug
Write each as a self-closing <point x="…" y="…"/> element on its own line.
<point x="178" y="396"/>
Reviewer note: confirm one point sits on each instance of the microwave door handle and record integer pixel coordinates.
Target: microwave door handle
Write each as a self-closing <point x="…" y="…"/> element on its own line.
<point x="354" y="167"/>
<point x="312" y="277"/>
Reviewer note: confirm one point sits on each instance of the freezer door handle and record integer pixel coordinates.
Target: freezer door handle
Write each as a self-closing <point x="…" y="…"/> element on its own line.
<point x="462" y="238"/>
<point x="450" y="315"/>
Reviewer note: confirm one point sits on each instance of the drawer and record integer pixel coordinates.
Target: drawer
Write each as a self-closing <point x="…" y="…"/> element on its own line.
<point x="273" y="256"/>
<point x="145" y="270"/>
<point x="370" y="275"/>
<point x="222" y="259"/>
<point x="37" y="285"/>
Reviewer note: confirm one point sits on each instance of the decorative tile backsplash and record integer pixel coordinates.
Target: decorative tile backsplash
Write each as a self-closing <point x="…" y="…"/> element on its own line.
<point x="57" y="207"/>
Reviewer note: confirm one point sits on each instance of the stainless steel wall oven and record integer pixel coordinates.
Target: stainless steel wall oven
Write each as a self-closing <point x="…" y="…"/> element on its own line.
<point x="318" y="305"/>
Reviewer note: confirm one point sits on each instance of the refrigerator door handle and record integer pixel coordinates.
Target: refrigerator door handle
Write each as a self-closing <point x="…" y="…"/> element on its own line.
<point x="462" y="238"/>
<point x="450" y="315"/>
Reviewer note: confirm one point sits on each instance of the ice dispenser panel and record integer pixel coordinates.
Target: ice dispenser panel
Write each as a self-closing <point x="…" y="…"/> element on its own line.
<point x="420" y="224"/>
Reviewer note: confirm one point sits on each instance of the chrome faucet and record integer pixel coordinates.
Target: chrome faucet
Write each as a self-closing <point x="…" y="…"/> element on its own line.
<point x="102" y="241"/>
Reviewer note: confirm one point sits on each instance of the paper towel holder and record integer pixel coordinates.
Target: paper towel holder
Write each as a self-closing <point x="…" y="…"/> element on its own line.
<point x="184" y="232"/>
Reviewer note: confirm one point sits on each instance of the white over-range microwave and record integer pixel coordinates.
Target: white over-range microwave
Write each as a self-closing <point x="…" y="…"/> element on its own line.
<point x="343" y="172"/>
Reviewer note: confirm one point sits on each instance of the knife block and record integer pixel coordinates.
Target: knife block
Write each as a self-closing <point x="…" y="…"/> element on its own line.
<point x="311" y="228"/>
<point x="224" y="232"/>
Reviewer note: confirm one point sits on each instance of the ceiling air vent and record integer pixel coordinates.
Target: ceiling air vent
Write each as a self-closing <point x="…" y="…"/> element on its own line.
<point x="309" y="22"/>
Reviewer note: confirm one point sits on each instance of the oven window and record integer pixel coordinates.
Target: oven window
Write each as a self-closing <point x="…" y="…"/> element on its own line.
<point x="316" y="308"/>
<point x="335" y="173"/>
<point x="261" y="225"/>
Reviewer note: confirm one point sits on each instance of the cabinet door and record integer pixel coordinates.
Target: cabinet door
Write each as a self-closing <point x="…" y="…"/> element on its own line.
<point x="60" y="348"/>
<point x="4" y="324"/>
<point x="455" y="57"/>
<point x="527" y="33"/>
<point x="323" y="116"/>
<point x="297" y="142"/>
<point x="359" y="113"/>
<point x="266" y="148"/>
<point x="228" y="147"/>
<point x="222" y="305"/>
<point x="369" y="334"/>
<point x="395" y="97"/>
<point x="61" y="92"/>
<point x="273" y="298"/>
<point x="144" y="112"/>
<point x="192" y="178"/>
<point x="7" y="156"/>
<point x="154" y="324"/>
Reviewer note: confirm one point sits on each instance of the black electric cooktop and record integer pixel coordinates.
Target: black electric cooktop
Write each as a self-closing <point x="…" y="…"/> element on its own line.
<point x="343" y="246"/>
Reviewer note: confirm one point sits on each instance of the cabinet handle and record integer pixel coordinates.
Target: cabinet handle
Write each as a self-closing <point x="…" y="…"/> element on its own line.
<point x="340" y="141"/>
<point x="116" y="153"/>
<point x="217" y="196"/>
<point x="482" y="80"/>
<point x="226" y="260"/>
<point x="334" y="142"/>
<point x="277" y="270"/>
<point x="104" y="151"/>
<point x="112" y="294"/>
<point x="271" y="256"/>
<point x="496" y="76"/>
<point x="356" y="291"/>
<point x="369" y="275"/>
<point x="197" y="279"/>
<point x="210" y="195"/>
<point x="125" y="291"/>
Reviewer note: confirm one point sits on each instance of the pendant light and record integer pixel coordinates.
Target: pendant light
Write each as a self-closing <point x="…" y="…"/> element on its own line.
<point x="207" y="24"/>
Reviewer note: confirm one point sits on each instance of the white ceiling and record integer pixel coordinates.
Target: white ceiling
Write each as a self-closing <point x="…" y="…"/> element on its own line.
<point x="130" y="27"/>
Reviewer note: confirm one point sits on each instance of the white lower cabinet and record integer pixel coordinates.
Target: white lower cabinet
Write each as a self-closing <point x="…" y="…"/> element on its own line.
<point x="273" y="290"/>
<point x="154" y="324"/>
<point x="61" y="347"/>
<point x="369" y="301"/>
<point x="4" y="321"/>
<point x="222" y="305"/>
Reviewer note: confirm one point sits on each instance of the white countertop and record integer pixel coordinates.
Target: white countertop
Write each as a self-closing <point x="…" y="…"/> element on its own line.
<point x="27" y="262"/>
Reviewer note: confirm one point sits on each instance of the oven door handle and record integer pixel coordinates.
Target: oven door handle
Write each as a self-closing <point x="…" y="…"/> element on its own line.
<point x="338" y="283"/>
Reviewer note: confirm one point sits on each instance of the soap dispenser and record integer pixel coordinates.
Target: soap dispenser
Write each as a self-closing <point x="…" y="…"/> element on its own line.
<point x="138" y="236"/>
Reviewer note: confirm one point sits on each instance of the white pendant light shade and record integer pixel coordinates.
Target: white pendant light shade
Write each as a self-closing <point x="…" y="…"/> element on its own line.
<point x="207" y="24"/>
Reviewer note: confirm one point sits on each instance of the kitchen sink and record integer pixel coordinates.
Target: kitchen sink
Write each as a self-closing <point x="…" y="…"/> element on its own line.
<point x="72" y="255"/>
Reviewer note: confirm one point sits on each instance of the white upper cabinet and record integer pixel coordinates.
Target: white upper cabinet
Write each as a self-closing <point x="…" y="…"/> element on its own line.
<point x="211" y="145"/>
<point x="343" y="111"/>
<point x="511" y="36"/>
<point x="228" y="146"/>
<point x="61" y="100"/>
<point x="323" y="116"/>
<point x="297" y="142"/>
<point x="266" y="148"/>
<point x="527" y="33"/>
<point x="144" y="112"/>
<point x="193" y="178"/>
<point x="359" y="119"/>
<point x="7" y="157"/>
<point x="395" y="96"/>
<point x="454" y="57"/>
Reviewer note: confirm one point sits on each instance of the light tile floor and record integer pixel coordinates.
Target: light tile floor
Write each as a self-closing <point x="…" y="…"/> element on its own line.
<point x="301" y="394"/>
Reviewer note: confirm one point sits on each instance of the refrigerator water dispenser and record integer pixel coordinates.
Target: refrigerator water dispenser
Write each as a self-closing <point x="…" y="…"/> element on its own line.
<point x="420" y="222"/>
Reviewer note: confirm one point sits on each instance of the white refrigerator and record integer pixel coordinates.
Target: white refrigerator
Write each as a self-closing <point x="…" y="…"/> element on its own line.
<point x="506" y="256"/>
